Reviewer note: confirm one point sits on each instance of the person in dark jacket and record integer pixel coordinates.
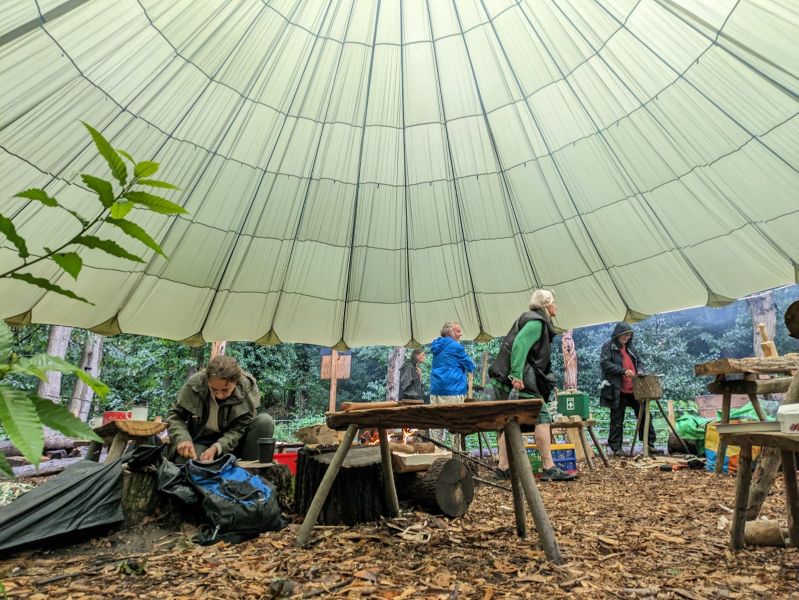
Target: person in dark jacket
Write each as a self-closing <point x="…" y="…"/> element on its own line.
<point x="411" y="377"/>
<point x="523" y="363"/>
<point x="216" y="412"/>
<point x="448" y="383"/>
<point x="621" y="362"/>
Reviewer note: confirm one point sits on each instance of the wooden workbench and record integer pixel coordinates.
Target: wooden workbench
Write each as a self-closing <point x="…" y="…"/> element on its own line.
<point x="458" y="418"/>
<point x="787" y="443"/>
<point x="741" y="376"/>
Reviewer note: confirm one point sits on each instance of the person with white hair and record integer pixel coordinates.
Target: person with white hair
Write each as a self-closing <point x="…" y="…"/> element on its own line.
<point x="523" y="363"/>
<point x="448" y="384"/>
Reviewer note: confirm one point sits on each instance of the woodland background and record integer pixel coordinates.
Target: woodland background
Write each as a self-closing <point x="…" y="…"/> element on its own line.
<point x="144" y="370"/>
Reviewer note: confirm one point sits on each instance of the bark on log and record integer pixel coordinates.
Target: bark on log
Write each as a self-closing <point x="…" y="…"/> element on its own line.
<point x="357" y="492"/>
<point x="769" y="463"/>
<point x="778" y="385"/>
<point x="358" y="496"/>
<point x="723" y="366"/>
<point x="139" y="496"/>
<point x="55" y="441"/>
<point x="447" y="487"/>
<point x="765" y="533"/>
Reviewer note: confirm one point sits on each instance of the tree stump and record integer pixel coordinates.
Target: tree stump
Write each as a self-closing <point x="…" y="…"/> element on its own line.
<point x="140" y="497"/>
<point x="357" y="494"/>
<point x="280" y="480"/>
<point x="446" y="487"/>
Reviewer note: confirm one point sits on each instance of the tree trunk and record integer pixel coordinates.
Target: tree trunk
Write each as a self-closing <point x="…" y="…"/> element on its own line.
<point x="768" y="464"/>
<point x="90" y="362"/>
<point x="763" y="309"/>
<point x="218" y="348"/>
<point x="395" y="360"/>
<point x="57" y="344"/>
<point x="198" y="354"/>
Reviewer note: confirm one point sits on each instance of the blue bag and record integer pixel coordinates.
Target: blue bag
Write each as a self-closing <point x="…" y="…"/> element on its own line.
<point x="237" y="504"/>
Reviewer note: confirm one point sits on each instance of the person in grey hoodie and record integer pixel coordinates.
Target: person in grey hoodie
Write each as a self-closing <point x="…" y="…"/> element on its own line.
<point x="621" y="362"/>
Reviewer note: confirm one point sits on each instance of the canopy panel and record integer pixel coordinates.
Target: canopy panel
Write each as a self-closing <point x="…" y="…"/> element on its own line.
<point x="361" y="171"/>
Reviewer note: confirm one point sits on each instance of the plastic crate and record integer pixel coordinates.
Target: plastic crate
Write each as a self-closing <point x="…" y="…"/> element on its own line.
<point x="563" y="455"/>
<point x="574" y="403"/>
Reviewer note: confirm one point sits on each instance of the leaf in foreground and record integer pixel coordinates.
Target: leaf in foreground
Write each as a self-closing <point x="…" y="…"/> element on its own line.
<point x="108" y="246"/>
<point x="70" y="262"/>
<point x="155" y="203"/>
<point x="47" y="362"/>
<point x="47" y="285"/>
<point x="59" y="418"/>
<point x="38" y="195"/>
<point x="115" y="162"/>
<point x="5" y="469"/>
<point x="21" y="422"/>
<point x="136" y="232"/>
<point x="7" y="228"/>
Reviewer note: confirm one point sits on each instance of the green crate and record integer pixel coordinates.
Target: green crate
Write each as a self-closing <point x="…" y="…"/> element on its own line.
<point x="574" y="403"/>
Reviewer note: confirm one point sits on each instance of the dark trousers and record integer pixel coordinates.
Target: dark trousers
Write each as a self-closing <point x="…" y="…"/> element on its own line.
<point x="616" y="434"/>
<point x="261" y="426"/>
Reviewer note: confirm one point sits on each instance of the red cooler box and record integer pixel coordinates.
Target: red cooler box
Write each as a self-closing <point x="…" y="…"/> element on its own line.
<point x="116" y="415"/>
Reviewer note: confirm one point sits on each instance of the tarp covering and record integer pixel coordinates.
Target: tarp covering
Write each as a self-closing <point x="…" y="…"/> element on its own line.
<point x="360" y="171"/>
<point x="85" y="496"/>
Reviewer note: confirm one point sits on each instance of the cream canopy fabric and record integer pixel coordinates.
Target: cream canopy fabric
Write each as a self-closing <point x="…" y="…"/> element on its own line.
<point x="361" y="171"/>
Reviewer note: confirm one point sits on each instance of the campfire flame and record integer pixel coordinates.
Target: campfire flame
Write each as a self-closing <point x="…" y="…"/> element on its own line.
<point x="370" y="437"/>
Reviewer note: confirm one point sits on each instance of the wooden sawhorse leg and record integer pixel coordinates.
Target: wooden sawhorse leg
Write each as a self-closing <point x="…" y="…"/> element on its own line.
<point x="598" y="446"/>
<point x="742" y="485"/>
<point x="390" y="488"/>
<point x="643" y="421"/>
<point x="722" y="451"/>
<point x="524" y="476"/>
<point x="324" y="488"/>
<point x="516" y="488"/>
<point x="791" y="495"/>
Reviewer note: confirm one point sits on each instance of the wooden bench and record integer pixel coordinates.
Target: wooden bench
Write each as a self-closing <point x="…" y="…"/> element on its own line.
<point x="740" y="376"/>
<point x="787" y="443"/>
<point x="458" y="418"/>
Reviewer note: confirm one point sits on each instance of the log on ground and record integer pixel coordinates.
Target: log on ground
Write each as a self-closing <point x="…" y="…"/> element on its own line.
<point x="447" y="487"/>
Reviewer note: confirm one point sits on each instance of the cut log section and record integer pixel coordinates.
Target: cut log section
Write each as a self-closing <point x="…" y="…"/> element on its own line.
<point x="723" y="366"/>
<point x="357" y="492"/>
<point x="447" y="487"/>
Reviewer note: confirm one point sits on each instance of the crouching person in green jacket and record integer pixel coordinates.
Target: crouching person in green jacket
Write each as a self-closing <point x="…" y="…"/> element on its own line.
<point x="216" y="412"/>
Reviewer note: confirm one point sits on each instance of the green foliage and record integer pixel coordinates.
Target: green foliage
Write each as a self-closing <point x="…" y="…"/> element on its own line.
<point x="22" y="413"/>
<point x="115" y="207"/>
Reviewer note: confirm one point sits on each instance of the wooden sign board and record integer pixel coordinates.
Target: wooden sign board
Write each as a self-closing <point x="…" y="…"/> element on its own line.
<point x="342" y="366"/>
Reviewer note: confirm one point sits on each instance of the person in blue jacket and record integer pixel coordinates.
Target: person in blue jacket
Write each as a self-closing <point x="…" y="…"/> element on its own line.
<point x="448" y="376"/>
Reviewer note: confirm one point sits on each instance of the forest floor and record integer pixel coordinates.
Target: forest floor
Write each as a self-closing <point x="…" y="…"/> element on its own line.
<point x="625" y="532"/>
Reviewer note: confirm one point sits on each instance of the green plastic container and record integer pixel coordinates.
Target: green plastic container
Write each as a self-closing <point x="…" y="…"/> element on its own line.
<point x="535" y="460"/>
<point x="574" y="403"/>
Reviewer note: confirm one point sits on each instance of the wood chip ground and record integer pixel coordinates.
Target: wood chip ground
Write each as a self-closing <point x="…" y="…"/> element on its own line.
<point x="625" y="532"/>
